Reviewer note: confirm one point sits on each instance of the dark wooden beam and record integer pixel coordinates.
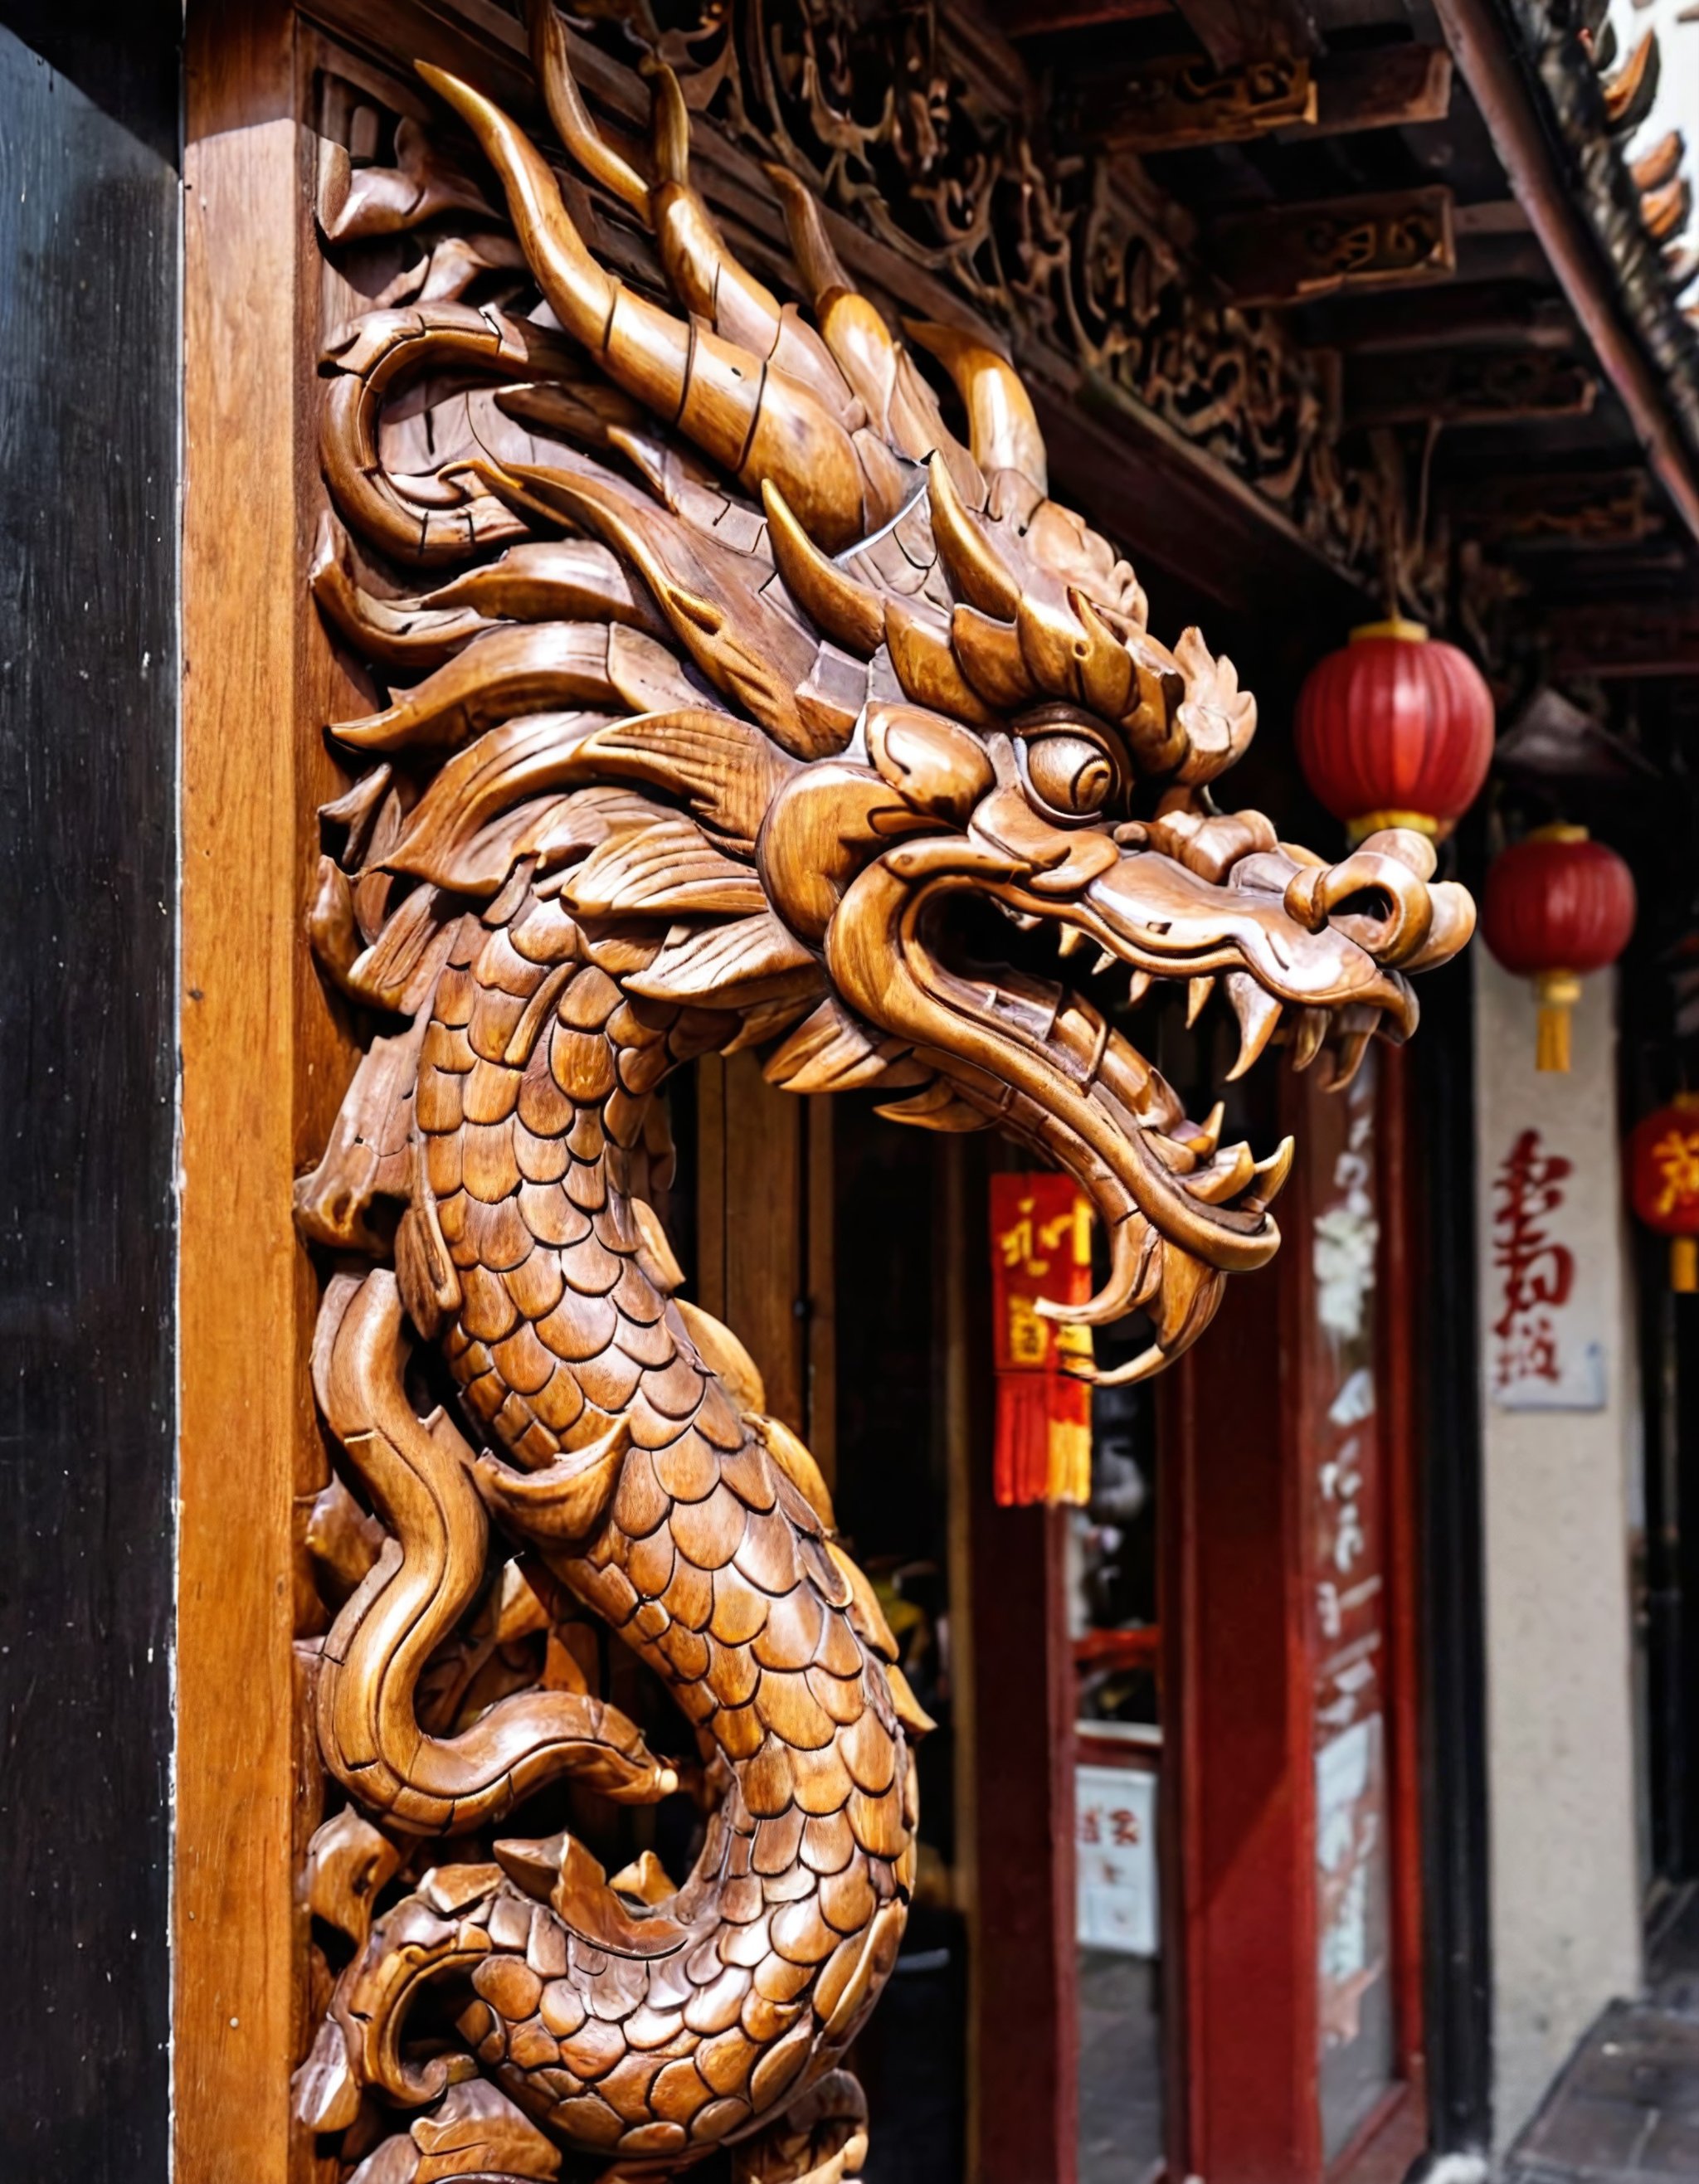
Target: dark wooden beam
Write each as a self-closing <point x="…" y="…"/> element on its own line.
<point x="1234" y="31"/>
<point x="1380" y="88"/>
<point x="1033" y="19"/>
<point x="1466" y="312"/>
<point x="1468" y="387"/>
<point x="1546" y="508"/>
<point x="1182" y="99"/>
<point x="1398" y="239"/>
<point x="1627" y="638"/>
<point x="1502" y="256"/>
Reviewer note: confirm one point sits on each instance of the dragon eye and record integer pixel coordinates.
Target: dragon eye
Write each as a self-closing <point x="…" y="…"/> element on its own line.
<point x="1072" y="773"/>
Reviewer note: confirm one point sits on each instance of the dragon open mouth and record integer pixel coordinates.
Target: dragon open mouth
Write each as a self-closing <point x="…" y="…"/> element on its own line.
<point x="1046" y="1062"/>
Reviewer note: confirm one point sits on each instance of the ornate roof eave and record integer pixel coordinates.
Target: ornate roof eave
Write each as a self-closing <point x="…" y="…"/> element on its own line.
<point x="1533" y="77"/>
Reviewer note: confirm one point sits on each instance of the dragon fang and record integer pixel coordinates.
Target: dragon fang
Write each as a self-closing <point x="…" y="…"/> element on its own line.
<point x="733" y="676"/>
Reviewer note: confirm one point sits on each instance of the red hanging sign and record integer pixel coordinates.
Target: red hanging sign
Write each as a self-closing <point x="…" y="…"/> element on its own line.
<point x="1040" y="1251"/>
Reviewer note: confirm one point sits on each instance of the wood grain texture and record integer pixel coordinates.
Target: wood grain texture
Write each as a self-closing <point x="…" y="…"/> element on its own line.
<point x="253" y="1031"/>
<point x="88" y="472"/>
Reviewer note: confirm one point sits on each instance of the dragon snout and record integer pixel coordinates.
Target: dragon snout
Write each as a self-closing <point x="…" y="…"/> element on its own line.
<point x="1380" y="898"/>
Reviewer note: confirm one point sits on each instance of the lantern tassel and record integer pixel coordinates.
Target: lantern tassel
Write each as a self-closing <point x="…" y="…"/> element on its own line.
<point x="1684" y="1265"/>
<point x="1551" y="1053"/>
<point x="1557" y="991"/>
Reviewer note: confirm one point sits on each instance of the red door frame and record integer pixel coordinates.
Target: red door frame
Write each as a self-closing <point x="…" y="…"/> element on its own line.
<point x="1241" y="1897"/>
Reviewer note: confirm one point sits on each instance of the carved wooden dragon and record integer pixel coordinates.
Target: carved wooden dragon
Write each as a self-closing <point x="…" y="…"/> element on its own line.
<point x="738" y="673"/>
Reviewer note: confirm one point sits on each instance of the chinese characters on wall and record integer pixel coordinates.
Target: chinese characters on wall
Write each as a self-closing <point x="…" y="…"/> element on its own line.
<point x="1546" y="1351"/>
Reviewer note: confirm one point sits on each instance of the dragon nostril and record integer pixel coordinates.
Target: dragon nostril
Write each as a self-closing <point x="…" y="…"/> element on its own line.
<point x="1304" y="902"/>
<point x="1379" y="902"/>
<point x="1363" y="906"/>
<point x="1375" y="900"/>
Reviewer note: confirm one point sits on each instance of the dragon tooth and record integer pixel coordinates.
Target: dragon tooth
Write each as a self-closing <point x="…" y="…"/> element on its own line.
<point x="1352" y="1050"/>
<point x="1272" y="1174"/>
<point x="1206" y="1136"/>
<point x="1137" y="987"/>
<point x="1070" y="940"/>
<point x="1106" y="960"/>
<point x="1258" y="1012"/>
<point x="1135" y="1263"/>
<point x="1198" y="991"/>
<point x="1311" y="1029"/>
<point x="1225" y="1178"/>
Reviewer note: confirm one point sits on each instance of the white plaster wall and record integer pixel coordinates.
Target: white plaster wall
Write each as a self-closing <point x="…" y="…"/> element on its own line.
<point x="1566" y="1928"/>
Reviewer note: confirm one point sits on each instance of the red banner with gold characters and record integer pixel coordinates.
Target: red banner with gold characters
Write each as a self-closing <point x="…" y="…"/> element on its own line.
<point x="1040" y="1251"/>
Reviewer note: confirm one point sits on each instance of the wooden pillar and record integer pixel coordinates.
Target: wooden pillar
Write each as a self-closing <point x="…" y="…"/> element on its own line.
<point x="1239" y="1906"/>
<point x="264" y="1064"/>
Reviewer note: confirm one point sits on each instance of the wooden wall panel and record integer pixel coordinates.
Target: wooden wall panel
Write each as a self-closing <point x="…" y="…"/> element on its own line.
<point x="88" y="478"/>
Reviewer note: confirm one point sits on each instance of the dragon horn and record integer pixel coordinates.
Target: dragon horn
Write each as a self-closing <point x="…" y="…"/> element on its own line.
<point x="701" y="270"/>
<point x="900" y="402"/>
<point x="858" y="338"/>
<point x="753" y="422"/>
<point x="668" y="126"/>
<point x="1002" y="431"/>
<point x="978" y="571"/>
<point x="832" y="599"/>
<point x="571" y="118"/>
<point x="710" y="282"/>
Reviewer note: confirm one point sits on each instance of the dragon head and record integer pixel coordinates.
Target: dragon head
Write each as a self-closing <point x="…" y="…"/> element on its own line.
<point x="777" y="679"/>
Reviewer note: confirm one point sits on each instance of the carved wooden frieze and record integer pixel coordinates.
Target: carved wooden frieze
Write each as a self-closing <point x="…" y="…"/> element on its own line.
<point x="720" y="682"/>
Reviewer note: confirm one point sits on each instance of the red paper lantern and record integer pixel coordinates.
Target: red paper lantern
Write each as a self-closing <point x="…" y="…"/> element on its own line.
<point x="1395" y="731"/>
<point x="1040" y="1251"/>
<point x="1663" y="1183"/>
<point x="1558" y="906"/>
